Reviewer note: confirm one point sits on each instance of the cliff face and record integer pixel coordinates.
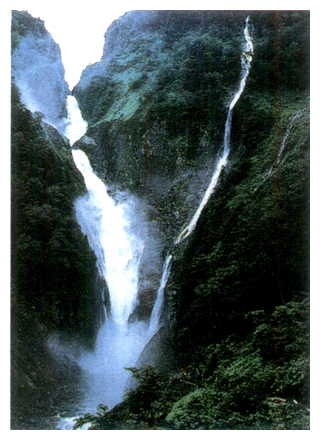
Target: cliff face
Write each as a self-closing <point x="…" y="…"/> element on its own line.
<point x="37" y="66"/>
<point x="157" y="102"/>
<point x="157" y="106"/>
<point x="53" y="274"/>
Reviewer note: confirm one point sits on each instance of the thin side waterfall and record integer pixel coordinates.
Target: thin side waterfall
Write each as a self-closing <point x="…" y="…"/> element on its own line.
<point x="277" y="161"/>
<point x="283" y="143"/>
<point x="246" y="58"/>
<point x="157" y="308"/>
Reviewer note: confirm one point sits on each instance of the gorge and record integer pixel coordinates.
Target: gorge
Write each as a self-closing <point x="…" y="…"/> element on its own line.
<point x="202" y="320"/>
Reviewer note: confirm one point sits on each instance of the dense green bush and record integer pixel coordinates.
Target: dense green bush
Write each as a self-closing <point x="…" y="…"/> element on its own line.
<point x="255" y="381"/>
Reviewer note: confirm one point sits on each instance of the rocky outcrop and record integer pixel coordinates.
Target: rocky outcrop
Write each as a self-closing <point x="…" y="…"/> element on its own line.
<point x="156" y="103"/>
<point x="37" y="69"/>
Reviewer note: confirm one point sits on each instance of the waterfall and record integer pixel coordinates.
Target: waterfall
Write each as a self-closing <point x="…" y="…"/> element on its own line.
<point x="277" y="161"/>
<point x="246" y="58"/>
<point x="283" y="143"/>
<point x="77" y="126"/>
<point x="118" y="245"/>
<point x="157" y="308"/>
<point x="117" y="248"/>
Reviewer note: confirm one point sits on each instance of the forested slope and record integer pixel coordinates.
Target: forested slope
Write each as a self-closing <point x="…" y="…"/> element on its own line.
<point x="237" y="300"/>
<point x="53" y="270"/>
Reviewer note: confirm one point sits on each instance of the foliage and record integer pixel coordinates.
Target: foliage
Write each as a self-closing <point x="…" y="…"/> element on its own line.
<point x="51" y="259"/>
<point x="53" y="270"/>
<point x="238" y="383"/>
<point x="250" y="249"/>
<point x="139" y="83"/>
<point x="236" y="301"/>
<point x="22" y="24"/>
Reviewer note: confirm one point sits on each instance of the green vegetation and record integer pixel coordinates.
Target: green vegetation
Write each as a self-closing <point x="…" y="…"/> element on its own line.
<point x="53" y="268"/>
<point x="251" y="248"/>
<point x="237" y="298"/>
<point x="23" y="23"/>
<point x="178" y="70"/>
<point x="256" y="381"/>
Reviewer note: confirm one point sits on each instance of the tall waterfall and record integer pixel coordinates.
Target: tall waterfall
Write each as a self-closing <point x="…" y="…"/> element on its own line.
<point x="118" y="245"/>
<point x="246" y="58"/>
<point x="118" y="249"/>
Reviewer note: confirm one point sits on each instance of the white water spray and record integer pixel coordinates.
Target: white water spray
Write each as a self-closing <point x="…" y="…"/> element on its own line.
<point x="77" y="126"/>
<point x="246" y="59"/>
<point x="118" y="246"/>
<point x="118" y="249"/>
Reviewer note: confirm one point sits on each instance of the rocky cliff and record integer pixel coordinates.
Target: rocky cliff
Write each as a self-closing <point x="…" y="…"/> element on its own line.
<point x="37" y="66"/>
<point x="53" y="273"/>
<point x="157" y="102"/>
<point x="156" y="106"/>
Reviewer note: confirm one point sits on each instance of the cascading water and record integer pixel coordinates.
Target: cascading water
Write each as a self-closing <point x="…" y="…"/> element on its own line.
<point x="246" y="59"/>
<point x="280" y="152"/>
<point x="118" y="247"/>
<point x="283" y="143"/>
<point x="77" y="126"/>
<point x="157" y="308"/>
<point x="118" y="250"/>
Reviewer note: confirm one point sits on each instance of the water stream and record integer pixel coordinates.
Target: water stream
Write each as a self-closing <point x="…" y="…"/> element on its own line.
<point x="115" y="237"/>
<point x="246" y="58"/>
